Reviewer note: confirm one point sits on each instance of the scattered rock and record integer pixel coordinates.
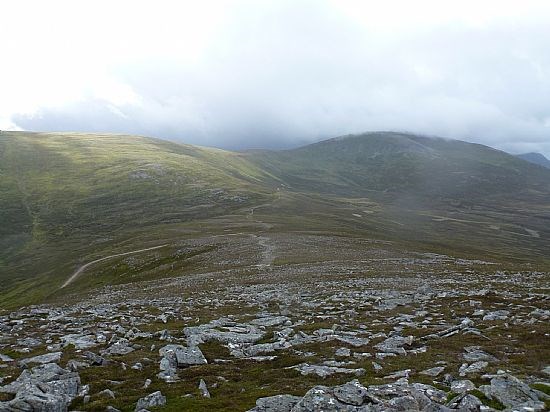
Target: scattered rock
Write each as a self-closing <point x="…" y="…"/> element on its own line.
<point x="435" y="371"/>
<point x="277" y="403"/>
<point x="151" y="400"/>
<point x="204" y="389"/>
<point x="462" y="386"/>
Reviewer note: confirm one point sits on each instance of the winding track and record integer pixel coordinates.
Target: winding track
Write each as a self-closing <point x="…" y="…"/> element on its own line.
<point x="84" y="267"/>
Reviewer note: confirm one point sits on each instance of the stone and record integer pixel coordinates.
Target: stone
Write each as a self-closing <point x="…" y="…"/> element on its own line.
<point x="343" y="352"/>
<point x="512" y="393"/>
<point x="497" y="315"/>
<point x="95" y="359"/>
<point x="270" y="321"/>
<point x="46" y="387"/>
<point x="151" y="400"/>
<point x="277" y="403"/>
<point x="204" y="389"/>
<point x="394" y="344"/>
<point x="168" y="367"/>
<point x="79" y="341"/>
<point x="399" y="374"/>
<point x="185" y="356"/>
<point x="475" y="367"/>
<point x="475" y="354"/>
<point x="320" y="398"/>
<point x="461" y="386"/>
<point x="224" y="331"/>
<point x="46" y="358"/>
<point x="323" y="371"/>
<point x="5" y="358"/>
<point x="351" y="393"/>
<point x="107" y="393"/>
<point x="466" y="403"/>
<point x="435" y="371"/>
<point x="121" y="347"/>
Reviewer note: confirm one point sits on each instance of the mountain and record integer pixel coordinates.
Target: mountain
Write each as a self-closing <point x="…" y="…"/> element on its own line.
<point x="70" y="199"/>
<point x="429" y="168"/>
<point x="536" y="158"/>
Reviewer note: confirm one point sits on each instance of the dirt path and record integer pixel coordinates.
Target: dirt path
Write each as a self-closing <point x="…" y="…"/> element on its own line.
<point x="84" y="267"/>
<point x="268" y="254"/>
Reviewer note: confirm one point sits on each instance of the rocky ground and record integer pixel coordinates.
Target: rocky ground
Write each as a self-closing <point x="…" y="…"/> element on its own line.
<point x="366" y="328"/>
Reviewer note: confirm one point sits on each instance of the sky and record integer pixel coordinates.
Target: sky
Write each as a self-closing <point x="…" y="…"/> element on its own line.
<point x="273" y="74"/>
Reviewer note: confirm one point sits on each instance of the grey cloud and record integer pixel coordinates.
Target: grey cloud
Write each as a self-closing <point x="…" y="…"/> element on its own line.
<point x="296" y="74"/>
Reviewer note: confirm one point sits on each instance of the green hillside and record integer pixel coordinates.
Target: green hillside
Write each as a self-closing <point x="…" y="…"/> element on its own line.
<point x="66" y="198"/>
<point x="396" y="163"/>
<point x="69" y="199"/>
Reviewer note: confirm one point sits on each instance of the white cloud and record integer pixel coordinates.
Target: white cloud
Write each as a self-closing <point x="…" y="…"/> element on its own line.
<point x="247" y="73"/>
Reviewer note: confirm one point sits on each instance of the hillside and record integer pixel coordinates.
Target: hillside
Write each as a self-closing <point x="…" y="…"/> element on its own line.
<point x="71" y="199"/>
<point x="535" y="158"/>
<point x="395" y="163"/>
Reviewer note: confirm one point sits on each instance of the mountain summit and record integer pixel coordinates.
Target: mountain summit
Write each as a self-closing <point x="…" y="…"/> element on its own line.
<point x="536" y="158"/>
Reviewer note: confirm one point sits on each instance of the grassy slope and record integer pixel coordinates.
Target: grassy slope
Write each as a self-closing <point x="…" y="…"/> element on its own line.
<point x="73" y="197"/>
<point x="446" y="194"/>
<point x="67" y="199"/>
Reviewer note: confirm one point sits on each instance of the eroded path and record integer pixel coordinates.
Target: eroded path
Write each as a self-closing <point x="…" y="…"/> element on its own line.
<point x="84" y="267"/>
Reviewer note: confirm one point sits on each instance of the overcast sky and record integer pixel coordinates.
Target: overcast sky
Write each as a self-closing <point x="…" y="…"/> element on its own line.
<point x="240" y="74"/>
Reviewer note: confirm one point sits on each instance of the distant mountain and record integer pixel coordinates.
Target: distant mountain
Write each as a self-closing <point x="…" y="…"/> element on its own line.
<point x="430" y="169"/>
<point x="536" y="158"/>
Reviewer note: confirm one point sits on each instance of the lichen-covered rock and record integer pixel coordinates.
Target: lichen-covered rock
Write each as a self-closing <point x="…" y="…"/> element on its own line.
<point x="277" y="403"/>
<point x="151" y="400"/>
<point x="512" y="393"/>
<point x="46" y="387"/>
<point x="185" y="356"/>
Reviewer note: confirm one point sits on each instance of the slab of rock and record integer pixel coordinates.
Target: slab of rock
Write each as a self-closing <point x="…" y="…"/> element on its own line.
<point x="95" y="359"/>
<point x="169" y="367"/>
<point x="462" y="386"/>
<point x="394" y="344"/>
<point x="320" y="398"/>
<point x="475" y="354"/>
<point x="435" y="371"/>
<point x="121" y="347"/>
<point x="270" y="321"/>
<point x="277" y="403"/>
<point x="79" y="341"/>
<point x="512" y="393"/>
<point x="351" y="393"/>
<point x="151" y="400"/>
<point x="323" y="371"/>
<point x="46" y="387"/>
<point x="466" y="403"/>
<point x="185" y="356"/>
<point x="204" y="389"/>
<point x="497" y="315"/>
<point x="223" y="330"/>
<point x="475" y="367"/>
<point x="53" y="357"/>
<point x="342" y="352"/>
<point x="5" y="358"/>
<point x="354" y="341"/>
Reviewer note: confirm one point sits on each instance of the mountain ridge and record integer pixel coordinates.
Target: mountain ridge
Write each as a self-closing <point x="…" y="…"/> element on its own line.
<point x="535" y="158"/>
